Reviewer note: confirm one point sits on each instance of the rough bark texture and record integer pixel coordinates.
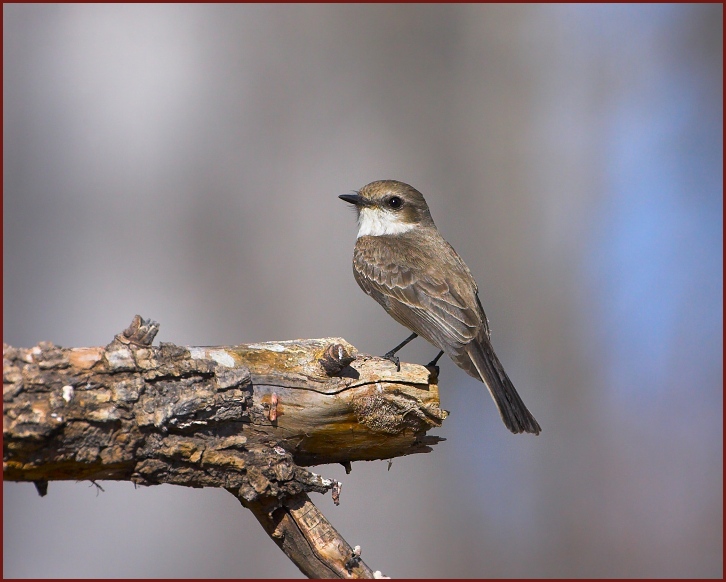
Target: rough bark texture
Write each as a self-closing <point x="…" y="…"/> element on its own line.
<point x="248" y="418"/>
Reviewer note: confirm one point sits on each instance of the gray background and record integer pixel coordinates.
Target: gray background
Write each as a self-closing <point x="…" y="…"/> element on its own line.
<point x="183" y="162"/>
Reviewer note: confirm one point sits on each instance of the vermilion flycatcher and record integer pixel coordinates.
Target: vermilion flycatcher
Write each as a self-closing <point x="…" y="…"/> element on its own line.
<point x="402" y="261"/>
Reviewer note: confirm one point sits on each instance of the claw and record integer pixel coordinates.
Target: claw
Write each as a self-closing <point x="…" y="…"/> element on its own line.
<point x="391" y="357"/>
<point x="394" y="359"/>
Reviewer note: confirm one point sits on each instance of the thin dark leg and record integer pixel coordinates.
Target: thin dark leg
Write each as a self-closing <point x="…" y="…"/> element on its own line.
<point x="436" y="359"/>
<point x="392" y="354"/>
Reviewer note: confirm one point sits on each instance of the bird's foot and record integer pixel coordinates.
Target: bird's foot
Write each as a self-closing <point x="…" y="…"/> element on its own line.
<point x="391" y="357"/>
<point x="432" y="363"/>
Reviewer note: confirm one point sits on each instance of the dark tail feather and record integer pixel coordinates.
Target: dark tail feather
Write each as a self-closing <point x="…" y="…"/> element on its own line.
<point x="511" y="408"/>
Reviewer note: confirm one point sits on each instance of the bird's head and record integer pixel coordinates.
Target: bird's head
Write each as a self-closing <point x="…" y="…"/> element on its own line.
<point x="389" y="207"/>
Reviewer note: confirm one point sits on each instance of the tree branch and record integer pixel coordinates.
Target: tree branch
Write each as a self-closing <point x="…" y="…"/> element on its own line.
<point x="248" y="418"/>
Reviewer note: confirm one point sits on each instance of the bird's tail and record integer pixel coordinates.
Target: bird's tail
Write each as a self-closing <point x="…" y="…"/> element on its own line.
<point x="511" y="408"/>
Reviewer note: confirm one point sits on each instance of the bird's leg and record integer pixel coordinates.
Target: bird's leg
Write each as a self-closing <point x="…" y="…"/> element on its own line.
<point x="432" y="363"/>
<point x="391" y="356"/>
<point x="436" y="359"/>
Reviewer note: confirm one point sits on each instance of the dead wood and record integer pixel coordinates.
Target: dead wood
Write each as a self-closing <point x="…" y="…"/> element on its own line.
<point x="248" y="418"/>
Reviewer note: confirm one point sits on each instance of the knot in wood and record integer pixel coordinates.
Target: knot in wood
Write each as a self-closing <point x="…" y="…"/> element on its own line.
<point x="334" y="359"/>
<point x="141" y="332"/>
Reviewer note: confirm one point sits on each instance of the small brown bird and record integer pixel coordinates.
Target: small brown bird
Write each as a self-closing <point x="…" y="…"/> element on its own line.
<point x="402" y="261"/>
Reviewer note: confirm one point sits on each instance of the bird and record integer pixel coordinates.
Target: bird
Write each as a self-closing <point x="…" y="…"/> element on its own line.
<point x="402" y="262"/>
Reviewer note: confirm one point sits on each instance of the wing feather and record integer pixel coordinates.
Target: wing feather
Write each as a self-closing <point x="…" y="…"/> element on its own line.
<point x="438" y="304"/>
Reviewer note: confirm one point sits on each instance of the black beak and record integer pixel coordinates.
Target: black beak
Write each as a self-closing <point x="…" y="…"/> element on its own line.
<point x="356" y="199"/>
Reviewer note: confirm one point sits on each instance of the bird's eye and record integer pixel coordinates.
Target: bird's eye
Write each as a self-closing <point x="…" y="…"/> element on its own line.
<point x="395" y="202"/>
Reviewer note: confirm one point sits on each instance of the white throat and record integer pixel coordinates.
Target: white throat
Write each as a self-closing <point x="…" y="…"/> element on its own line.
<point x="377" y="222"/>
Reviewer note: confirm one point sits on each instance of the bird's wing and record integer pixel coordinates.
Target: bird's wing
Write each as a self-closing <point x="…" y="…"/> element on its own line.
<point x="438" y="304"/>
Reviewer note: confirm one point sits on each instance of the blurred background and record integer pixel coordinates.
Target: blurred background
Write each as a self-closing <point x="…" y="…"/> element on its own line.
<point x="183" y="162"/>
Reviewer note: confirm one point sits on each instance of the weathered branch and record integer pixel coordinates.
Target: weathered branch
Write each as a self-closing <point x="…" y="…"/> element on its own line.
<point x="248" y="418"/>
<point x="311" y="542"/>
